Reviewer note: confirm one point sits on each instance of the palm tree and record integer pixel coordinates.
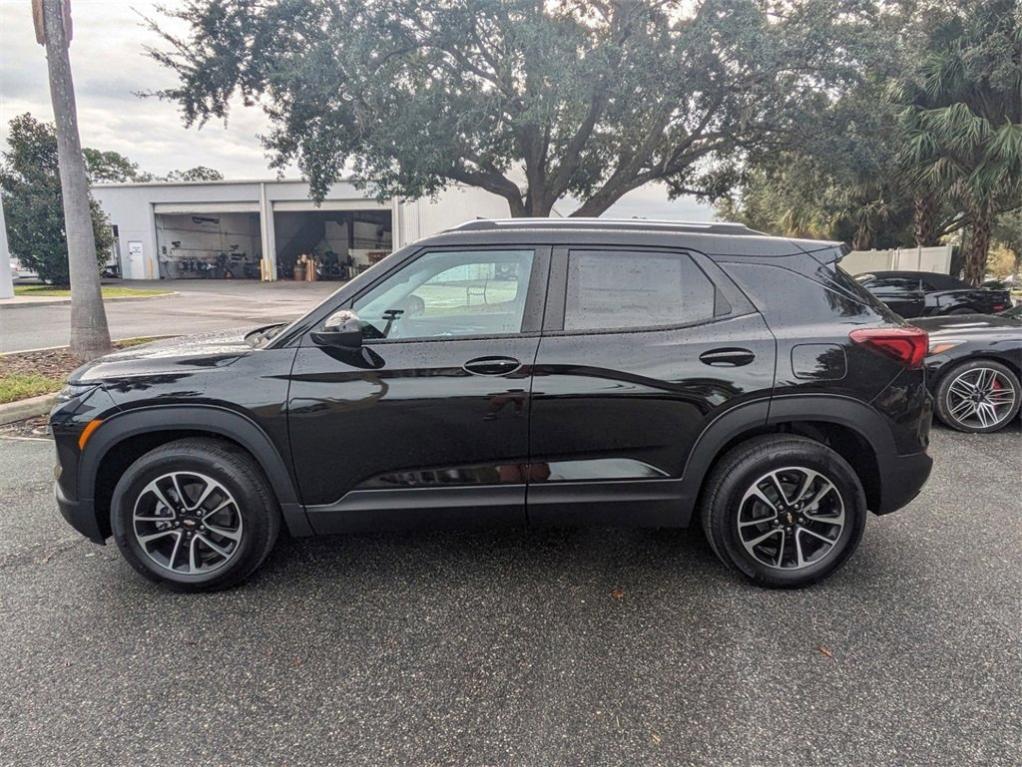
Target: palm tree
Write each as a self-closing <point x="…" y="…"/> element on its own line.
<point x="963" y="119"/>
<point x="90" y="336"/>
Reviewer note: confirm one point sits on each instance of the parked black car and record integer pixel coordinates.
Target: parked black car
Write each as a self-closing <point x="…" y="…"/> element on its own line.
<point x="929" y="294"/>
<point x="973" y="369"/>
<point x="525" y="372"/>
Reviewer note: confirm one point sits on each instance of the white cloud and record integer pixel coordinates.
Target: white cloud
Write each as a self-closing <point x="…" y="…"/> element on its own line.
<point x="109" y="65"/>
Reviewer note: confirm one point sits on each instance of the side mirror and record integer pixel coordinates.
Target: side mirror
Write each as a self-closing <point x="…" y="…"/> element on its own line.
<point x="342" y="330"/>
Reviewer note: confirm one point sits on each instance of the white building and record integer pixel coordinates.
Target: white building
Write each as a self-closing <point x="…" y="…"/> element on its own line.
<point x="253" y="229"/>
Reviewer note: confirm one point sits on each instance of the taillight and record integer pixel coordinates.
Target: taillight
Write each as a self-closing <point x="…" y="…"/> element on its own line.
<point x="907" y="345"/>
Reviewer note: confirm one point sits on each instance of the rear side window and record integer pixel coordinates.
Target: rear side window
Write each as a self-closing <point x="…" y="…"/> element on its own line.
<point x="818" y="295"/>
<point x="895" y="284"/>
<point x="834" y="275"/>
<point x="634" y="289"/>
<point x="854" y="286"/>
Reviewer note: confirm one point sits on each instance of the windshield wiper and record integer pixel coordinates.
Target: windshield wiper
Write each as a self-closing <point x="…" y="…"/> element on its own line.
<point x="261" y="335"/>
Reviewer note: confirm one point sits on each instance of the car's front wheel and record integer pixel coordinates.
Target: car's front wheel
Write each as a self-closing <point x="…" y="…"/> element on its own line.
<point x="196" y="514"/>
<point x="784" y="510"/>
<point x="978" y="396"/>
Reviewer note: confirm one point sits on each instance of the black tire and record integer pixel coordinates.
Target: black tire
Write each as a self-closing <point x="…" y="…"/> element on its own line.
<point x="237" y="476"/>
<point x="944" y="406"/>
<point x="734" y="476"/>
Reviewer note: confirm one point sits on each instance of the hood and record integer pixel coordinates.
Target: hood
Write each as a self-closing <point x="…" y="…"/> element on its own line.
<point x="183" y="355"/>
<point x="966" y="325"/>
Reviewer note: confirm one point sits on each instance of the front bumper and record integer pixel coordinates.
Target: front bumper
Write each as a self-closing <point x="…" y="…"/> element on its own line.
<point x="67" y="419"/>
<point x="81" y="515"/>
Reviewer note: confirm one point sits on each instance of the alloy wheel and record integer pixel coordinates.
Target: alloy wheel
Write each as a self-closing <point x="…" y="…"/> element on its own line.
<point x="791" y="518"/>
<point x="188" y="523"/>
<point x="980" y="398"/>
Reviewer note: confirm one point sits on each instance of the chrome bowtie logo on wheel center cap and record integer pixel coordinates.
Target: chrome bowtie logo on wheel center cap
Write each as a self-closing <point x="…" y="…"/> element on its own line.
<point x="189" y="523"/>
<point x="790" y="517"/>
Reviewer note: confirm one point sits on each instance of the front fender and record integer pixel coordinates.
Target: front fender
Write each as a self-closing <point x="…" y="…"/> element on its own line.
<point x="207" y="419"/>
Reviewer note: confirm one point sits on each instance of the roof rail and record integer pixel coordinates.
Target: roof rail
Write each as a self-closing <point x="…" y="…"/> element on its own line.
<point x="699" y="227"/>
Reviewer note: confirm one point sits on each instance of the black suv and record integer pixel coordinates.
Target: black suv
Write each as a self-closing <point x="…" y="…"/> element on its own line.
<point x="525" y="371"/>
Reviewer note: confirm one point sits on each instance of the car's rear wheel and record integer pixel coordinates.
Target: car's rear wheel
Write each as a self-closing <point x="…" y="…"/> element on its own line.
<point x="196" y="514"/>
<point x="978" y="396"/>
<point x="786" y="511"/>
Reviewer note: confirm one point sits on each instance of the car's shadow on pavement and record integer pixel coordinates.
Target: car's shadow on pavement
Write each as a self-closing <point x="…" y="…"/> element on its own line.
<point x="551" y="555"/>
<point x="494" y="555"/>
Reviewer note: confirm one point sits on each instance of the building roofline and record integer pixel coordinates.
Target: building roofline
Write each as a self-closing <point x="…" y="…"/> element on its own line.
<point x="217" y="182"/>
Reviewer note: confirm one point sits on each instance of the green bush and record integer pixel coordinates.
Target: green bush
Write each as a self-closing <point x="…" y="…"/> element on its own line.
<point x="30" y="181"/>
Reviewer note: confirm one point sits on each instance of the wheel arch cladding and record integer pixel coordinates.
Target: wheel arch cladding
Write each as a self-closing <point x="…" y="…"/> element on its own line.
<point x="848" y="427"/>
<point x="126" y="436"/>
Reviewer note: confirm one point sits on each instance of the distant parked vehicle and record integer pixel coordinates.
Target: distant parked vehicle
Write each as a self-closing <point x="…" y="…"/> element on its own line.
<point x="931" y="294"/>
<point x="973" y="369"/>
<point x="21" y="272"/>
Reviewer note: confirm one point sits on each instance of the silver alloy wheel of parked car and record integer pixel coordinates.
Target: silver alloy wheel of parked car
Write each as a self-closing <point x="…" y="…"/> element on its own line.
<point x="187" y="522"/>
<point x="791" y="518"/>
<point x="980" y="397"/>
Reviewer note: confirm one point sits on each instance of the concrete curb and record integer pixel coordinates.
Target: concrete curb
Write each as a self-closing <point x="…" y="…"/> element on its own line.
<point x="26" y="408"/>
<point x="56" y="301"/>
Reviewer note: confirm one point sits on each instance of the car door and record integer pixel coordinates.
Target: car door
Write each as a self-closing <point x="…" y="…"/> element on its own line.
<point x="641" y="350"/>
<point x="427" y="421"/>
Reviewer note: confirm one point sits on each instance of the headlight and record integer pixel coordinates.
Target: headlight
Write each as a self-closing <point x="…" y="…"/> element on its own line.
<point x="941" y="345"/>
<point x="74" y="391"/>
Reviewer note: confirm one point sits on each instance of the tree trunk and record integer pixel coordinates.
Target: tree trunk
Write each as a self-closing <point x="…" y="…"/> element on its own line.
<point x="978" y="245"/>
<point x="89" y="334"/>
<point x="925" y="224"/>
<point x="863" y="237"/>
<point x="6" y="278"/>
<point x="601" y="200"/>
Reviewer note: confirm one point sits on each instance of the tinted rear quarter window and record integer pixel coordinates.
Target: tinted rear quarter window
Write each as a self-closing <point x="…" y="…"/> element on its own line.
<point x="634" y="289"/>
<point x="818" y="294"/>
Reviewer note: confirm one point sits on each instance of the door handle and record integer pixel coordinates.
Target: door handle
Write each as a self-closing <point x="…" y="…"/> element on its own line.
<point x="729" y="358"/>
<point x="492" y="366"/>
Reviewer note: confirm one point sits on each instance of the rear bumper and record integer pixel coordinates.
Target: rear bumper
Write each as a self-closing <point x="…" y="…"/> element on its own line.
<point x="81" y="515"/>
<point x="902" y="477"/>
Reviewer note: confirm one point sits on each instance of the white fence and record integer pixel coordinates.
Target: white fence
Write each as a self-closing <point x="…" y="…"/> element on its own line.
<point x="935" y="259"/>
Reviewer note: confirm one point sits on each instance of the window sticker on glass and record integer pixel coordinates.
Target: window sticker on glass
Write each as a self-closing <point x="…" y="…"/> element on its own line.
<point x="615" y="289"/>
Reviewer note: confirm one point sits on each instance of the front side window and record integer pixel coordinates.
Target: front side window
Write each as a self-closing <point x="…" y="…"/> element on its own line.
<point x="450" y="293"/>
<point x="633" y="289"/>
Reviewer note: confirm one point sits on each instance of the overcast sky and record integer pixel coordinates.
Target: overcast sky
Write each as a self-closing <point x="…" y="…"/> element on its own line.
<point x="109" y="67"/>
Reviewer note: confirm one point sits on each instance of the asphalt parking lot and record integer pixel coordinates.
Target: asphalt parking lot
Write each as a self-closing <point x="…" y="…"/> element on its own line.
<point x="579" y="647"/>
<point x="196" y="306"/>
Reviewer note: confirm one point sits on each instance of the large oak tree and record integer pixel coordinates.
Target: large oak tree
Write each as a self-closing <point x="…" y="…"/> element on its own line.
<point x="533" y="101"/>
